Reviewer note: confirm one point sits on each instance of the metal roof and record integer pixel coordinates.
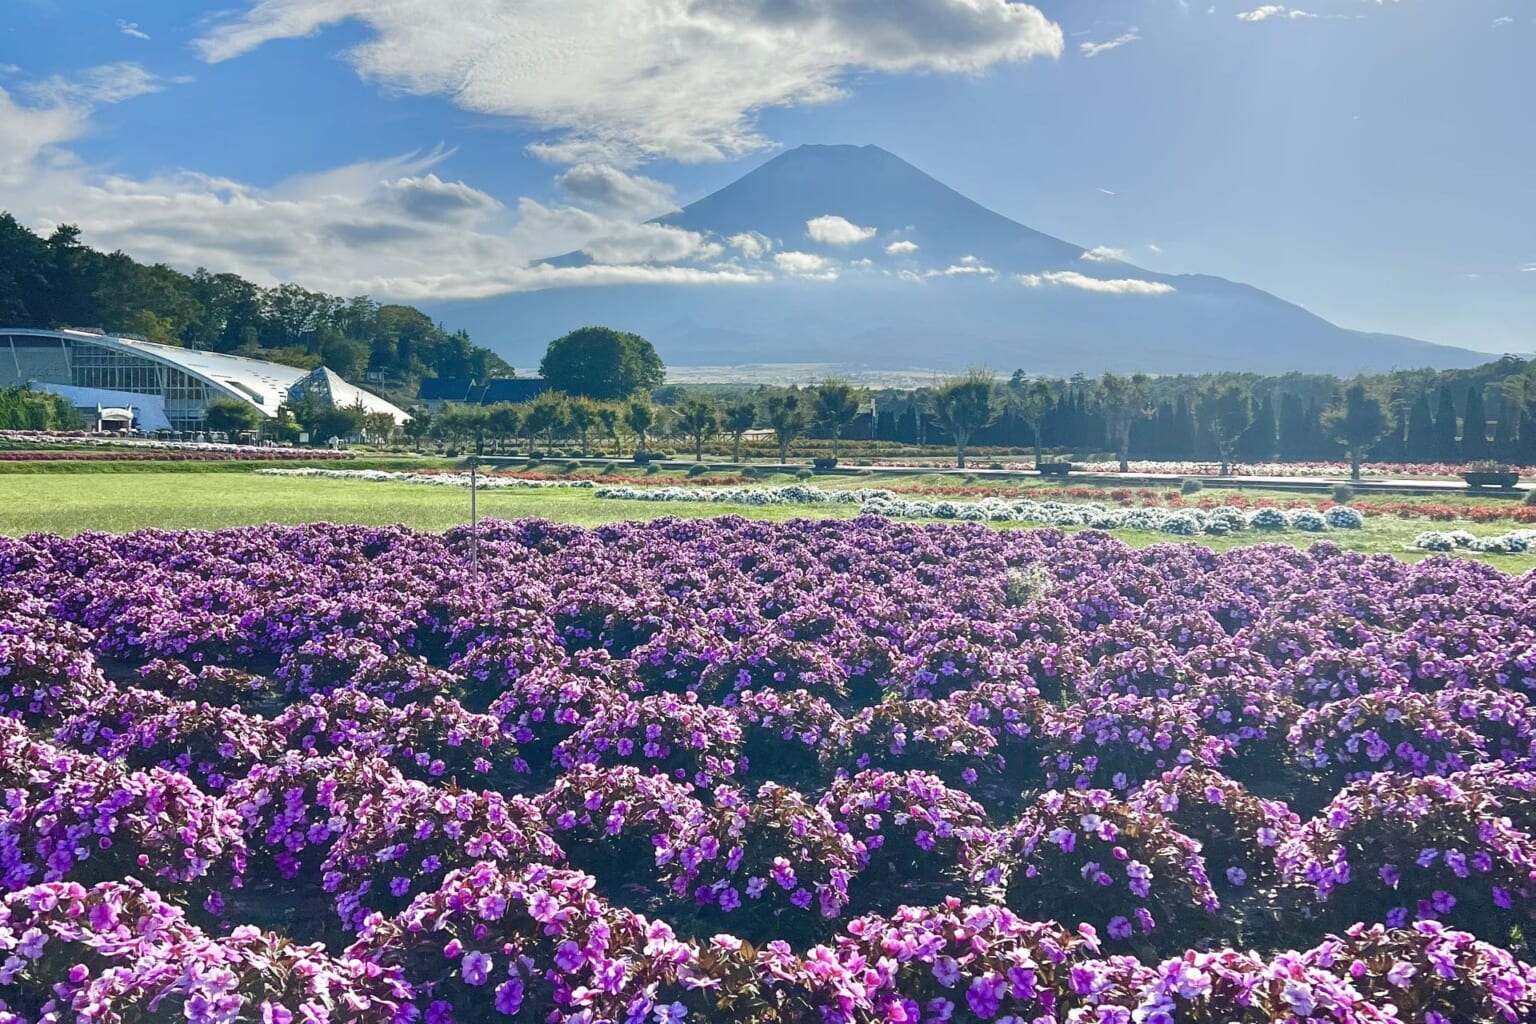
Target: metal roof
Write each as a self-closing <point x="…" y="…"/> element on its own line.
<point x="265" y="385"/>
<point x="327" y="384"/>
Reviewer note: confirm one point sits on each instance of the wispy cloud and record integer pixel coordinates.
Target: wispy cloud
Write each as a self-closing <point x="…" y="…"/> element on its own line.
<point x="969" y="266"/>
<point x="1103" y="254"/>
<point x="1272" y="11"/>
<point x="105" y="84"/>
<point x="1505" y="20"/>
<point x="1082" y="282"/>
<point x="1089" y="49"/>
<point x="130" y="28"/>
<point x="1109" y="192"/>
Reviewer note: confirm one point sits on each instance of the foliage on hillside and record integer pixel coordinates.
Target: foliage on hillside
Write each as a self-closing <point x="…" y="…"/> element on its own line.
<point x="59" y="282"/>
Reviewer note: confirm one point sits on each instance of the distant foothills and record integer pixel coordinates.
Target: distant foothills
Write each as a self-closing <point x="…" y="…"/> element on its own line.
<point x="1476" y="412"/>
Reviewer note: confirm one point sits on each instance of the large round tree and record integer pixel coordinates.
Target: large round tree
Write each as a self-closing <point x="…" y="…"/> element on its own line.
<point x="602" y="363"/>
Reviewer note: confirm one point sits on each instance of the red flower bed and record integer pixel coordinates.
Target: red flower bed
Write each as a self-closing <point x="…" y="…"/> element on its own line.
<point x="250" y="455"/>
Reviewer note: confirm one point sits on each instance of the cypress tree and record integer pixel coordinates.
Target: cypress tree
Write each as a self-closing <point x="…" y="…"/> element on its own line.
<point x="1445" y="426"/>
<point x="1419" y="434"/>
<point x="1292" y="428"/>
<point x="1474" y="428"/>
<point x="1504" y="428"/>
<point x="1183" y="440"/>
<point x="1259" y="441"/>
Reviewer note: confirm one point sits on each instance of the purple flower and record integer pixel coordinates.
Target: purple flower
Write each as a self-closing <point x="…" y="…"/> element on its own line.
<point x="985" y="995"/>
<point x="569" y="956"/>
<point x="509" y="996"/>
<point x="476" y="968"/>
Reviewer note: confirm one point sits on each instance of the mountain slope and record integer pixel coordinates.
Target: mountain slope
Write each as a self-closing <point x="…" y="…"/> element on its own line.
<point x="964" y="285"/>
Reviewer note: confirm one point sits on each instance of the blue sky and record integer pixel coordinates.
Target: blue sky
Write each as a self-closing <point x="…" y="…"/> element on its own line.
<point x="1372" y="160"/>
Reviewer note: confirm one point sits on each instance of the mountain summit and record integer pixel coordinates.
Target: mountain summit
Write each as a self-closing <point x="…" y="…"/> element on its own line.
<point x="867" y="262"/>
<point x="869" y="187"/>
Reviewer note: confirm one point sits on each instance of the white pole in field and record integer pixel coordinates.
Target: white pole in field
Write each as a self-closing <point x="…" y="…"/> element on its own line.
<point x="474" y="512"/>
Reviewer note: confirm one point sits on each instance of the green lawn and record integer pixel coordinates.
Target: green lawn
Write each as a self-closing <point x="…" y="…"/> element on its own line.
<point x="69" y="503"/>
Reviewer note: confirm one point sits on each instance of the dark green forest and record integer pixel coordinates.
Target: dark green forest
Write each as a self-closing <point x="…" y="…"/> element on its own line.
<point x="1488" y="412"/>
<point x="58" y="282"/>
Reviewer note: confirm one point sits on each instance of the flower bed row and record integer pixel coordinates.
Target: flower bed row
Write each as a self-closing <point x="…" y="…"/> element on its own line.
<point x="57" y="444"/>
<point x="1183" y="521"/>
<point x="1328" y="470"/>
<point x="115" y="455"/>
<point x="1512" y="543"/>
<point x="436" y="478"/>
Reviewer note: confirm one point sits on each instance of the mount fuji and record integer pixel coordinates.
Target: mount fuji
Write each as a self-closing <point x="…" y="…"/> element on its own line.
<point x="861" y="261"/>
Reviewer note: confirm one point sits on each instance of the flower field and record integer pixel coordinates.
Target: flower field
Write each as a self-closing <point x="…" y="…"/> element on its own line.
<point x="721" y="770"/>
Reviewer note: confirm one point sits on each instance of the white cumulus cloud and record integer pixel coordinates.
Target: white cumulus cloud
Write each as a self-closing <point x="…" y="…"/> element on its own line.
<point x="831" y="229"/>
<point x="620" y="81"/>
<point x="751" y="244"/>
<point x="905" y="247"/>
<point x="806" y="265"/>
<point x="612" y="189"/>
<point x="1072" y="279"/>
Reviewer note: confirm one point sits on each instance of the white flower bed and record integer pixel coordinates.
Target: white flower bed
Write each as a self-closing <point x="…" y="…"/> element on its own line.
<point x="790" y="494"/>
<point x="435" y="479"/>
<point x="1186" y="522"/>
<point x="38" y="439"/>
<point x="1512" y="543"/>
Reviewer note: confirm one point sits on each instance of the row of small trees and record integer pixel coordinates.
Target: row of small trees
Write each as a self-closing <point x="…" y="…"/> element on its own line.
<point x="788" y="412"/>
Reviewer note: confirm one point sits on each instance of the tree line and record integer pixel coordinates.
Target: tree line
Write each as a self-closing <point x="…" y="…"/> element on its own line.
<point x="57" y="281"/>
<point x="1220" y="418"/>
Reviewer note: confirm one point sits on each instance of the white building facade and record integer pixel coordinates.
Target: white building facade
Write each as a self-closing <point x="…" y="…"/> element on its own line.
<point x="185" y="380"/>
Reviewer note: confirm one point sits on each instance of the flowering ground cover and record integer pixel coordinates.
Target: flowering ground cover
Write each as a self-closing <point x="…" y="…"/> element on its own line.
<point x="780" y="773"/>
<point x="34" y="446"/>
<point x="1329" y="470"/>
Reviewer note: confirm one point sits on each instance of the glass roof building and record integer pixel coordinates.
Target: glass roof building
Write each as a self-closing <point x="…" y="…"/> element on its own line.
<point x="186" y="380"/>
